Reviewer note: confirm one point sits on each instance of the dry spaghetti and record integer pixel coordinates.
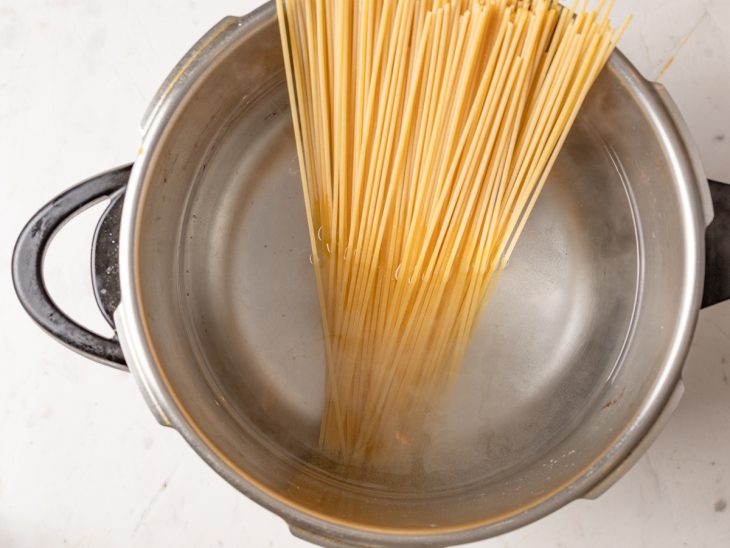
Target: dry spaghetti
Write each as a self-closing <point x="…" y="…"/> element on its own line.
<point x="425" y="131"/>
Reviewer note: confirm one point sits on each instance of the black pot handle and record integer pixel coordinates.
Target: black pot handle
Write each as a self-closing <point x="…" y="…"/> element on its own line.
<point x="717" y="265"/>
<point x="28" y="265"/>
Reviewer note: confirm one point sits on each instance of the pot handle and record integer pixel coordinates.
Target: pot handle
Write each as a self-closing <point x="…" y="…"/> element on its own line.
<point x="28" y="265"/>
<point x="717" y="244"/>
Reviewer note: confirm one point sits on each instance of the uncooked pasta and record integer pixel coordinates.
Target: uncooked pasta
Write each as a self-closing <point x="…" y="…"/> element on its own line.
<point x="425" y="131"/>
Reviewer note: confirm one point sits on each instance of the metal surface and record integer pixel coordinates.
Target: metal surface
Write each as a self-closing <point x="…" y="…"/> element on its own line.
<point x="573" y="372"/>
<point x="577" y="358"/>
<point x="717" y="281"/>
<point x="684" y="149"/>
<point x="28" y="267"/>
<point x="105" y="258"/>
<point x="646" y="442"/>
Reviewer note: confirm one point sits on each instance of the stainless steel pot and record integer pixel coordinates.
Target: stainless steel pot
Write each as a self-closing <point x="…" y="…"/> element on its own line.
<point x="201" y="264"/>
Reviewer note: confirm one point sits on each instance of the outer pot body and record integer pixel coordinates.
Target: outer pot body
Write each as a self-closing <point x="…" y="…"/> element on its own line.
<point x="218" y="317"/>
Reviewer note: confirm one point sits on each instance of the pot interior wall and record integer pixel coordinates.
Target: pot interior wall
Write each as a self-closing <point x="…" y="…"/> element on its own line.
<point x="569" y="351"/>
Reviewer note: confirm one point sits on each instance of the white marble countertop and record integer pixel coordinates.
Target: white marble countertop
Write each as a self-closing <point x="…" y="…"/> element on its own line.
<point x="82" y="461"/>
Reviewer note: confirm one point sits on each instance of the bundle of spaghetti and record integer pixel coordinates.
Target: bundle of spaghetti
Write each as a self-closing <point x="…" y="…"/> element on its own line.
<point x="425" y="131"/>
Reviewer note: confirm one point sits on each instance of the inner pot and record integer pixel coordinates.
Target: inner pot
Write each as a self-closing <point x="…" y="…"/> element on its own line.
<point x="576" y="356"/>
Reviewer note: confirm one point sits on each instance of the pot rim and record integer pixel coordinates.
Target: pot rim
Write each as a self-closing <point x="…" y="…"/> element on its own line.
<point x="140" y="354"/>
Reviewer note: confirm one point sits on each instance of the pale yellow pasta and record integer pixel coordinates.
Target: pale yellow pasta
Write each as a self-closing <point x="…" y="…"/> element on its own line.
<point x="425" y="131"/>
